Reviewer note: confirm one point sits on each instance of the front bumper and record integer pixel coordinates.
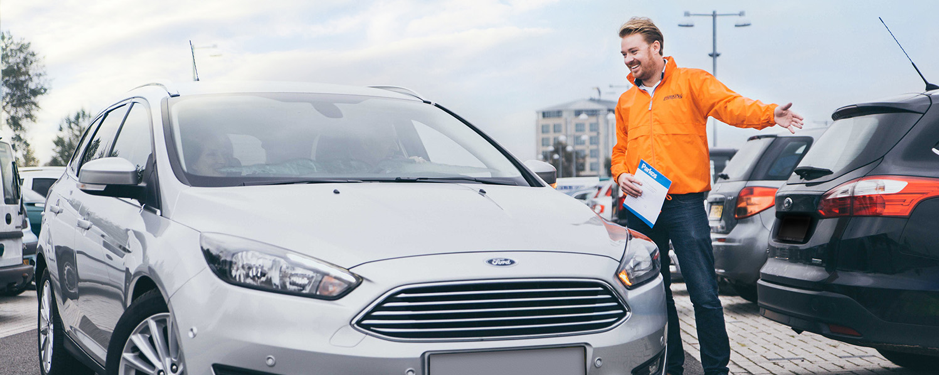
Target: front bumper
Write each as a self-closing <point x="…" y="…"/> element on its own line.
<point x="817" y="311"/>
<point x="224" y="325"/>
<point x="740" y="254"/>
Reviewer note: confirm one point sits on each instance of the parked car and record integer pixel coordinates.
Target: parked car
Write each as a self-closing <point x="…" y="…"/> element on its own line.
<point x="233" y="242"/>
<point x="719" y="159"/>
<point x="34" y="203"/>
<point x="601" y="202"/>
<point x="583" y="195"/>
<point x="15" y="269"/>
<point x="740" y="205"/>
<point x="853" y="252"/>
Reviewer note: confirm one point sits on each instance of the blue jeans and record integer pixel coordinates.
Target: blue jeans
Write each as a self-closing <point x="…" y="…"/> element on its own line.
<point x="684" y="222"/>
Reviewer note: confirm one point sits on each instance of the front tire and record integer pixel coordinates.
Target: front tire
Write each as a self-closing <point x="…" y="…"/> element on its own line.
<point x="53" y="358"/>
<point x="145" y="340"/>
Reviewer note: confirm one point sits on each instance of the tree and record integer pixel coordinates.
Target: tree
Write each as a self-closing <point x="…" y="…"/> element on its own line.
<point x="66" y="141"/>
<point x="23" y="83"/>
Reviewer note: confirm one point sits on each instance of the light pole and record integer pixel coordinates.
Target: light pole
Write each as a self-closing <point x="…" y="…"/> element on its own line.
<point x="714" y="54"/>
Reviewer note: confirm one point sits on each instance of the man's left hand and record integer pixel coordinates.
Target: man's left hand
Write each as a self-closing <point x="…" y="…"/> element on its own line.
<point x="787" y="118"/>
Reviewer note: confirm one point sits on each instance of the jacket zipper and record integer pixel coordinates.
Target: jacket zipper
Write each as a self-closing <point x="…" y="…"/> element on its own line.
<point x="652" y="130"/>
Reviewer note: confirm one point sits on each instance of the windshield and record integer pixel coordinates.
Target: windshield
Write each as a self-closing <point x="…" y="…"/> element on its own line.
<point x="852" y="142"/>
<point x="242" y="139"/>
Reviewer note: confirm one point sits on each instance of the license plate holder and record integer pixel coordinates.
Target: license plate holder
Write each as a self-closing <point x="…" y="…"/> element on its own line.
<point x="548" y="361"/>
<point x="794" y="228"/>
<point x="716" y="210"/>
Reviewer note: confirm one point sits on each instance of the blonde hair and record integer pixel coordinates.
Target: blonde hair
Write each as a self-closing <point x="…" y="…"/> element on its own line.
<point x="644" y="26"/>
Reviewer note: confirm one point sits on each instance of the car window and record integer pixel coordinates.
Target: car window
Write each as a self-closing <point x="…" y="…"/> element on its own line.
<point x="42" y="185"/>
<point x="10" y="186"/>
<point x="781" y="158"/>
<point x="739" y="167"/>
<point x="133" y="141"/>
<point x="852" y="142"/>
<point x="100" y="144"/>
<point x="74" y="162"/>
<point x="235" y="139"/>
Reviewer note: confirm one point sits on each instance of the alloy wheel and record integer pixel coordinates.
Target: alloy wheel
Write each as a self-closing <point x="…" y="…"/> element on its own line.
<point x="152" y="348"/>
<point x="46" y="327"/>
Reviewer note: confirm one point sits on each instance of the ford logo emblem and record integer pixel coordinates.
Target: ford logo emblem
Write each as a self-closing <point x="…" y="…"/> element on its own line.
<point x="787" y="204"/>
<point x="501" y="262"/>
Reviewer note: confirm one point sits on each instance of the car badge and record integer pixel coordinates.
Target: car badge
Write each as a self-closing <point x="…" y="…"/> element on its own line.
<point x="787" y="204"/>
<point x="501" y="262"/>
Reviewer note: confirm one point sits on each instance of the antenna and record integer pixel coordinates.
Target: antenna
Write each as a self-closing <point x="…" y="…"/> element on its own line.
<point x="195" y="73"/>
<point x="929" y="86"/>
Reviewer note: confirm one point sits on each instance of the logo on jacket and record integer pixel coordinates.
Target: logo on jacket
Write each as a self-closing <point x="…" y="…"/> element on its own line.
<point x="674" y="96"/>
<point x="501" y="262"/>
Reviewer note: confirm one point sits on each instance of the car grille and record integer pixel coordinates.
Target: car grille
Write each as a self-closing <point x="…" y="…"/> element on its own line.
<point x="495" y="309"/>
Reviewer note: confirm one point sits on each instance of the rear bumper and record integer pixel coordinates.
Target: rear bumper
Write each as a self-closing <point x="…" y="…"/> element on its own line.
<point x="816" y="311"/>
<point x="15" y="276"/>
<point x="740" y="254"/>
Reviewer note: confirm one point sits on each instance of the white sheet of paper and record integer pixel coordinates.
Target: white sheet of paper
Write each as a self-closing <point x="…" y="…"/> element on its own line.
<point x="654" y="189"/>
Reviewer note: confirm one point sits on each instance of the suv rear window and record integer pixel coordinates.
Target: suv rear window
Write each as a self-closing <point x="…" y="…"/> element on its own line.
<point x="853" y="142"/>
<point x="741" y="164"/>
<point x="781" y="158"/>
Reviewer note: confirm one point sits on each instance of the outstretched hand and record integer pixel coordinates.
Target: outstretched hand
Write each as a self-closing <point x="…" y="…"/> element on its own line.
<point x="787" y="118"/>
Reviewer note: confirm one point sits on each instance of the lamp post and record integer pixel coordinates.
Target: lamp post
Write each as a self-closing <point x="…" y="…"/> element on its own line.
<point x="714" y="54"/>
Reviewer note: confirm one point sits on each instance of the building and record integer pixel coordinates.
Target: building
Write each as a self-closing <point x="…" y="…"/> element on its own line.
<point x="585" y="128"/>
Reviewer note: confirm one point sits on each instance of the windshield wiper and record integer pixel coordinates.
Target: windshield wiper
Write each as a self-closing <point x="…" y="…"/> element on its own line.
<point x="454" y="179"/>
<point x="809" y="173"/>
<point x="723" y="176"/>
<point x="300" y="181"/>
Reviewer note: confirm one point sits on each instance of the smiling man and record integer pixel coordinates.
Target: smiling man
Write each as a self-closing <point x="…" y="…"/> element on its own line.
<point x="661" y="120"/>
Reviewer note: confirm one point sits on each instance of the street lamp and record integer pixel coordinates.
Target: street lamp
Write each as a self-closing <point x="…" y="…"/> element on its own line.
<point x="714" y="54"/>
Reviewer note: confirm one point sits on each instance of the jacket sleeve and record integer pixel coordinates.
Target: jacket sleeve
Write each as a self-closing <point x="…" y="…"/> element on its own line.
<point x="618" y="159"/>
<point x="722" y="103"/>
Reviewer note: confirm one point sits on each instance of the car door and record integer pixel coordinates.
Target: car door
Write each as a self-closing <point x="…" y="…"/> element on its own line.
<point x="114" y="226"/>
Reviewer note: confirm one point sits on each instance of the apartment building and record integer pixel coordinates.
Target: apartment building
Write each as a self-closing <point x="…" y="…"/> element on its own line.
<point x="577" y="137"/>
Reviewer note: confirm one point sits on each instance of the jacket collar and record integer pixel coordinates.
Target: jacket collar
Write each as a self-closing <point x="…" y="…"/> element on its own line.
<point x="670" y="67"/>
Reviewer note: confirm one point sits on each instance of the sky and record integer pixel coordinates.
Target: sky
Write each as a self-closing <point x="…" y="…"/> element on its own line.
<point x="494" y="62"/>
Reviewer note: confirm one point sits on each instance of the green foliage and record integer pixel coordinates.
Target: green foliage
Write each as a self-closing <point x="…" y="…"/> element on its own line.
<point x="70" y="133"/>
<point x="23" y="83"/>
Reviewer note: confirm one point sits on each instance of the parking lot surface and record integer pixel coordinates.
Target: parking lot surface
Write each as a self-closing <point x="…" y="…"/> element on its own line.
<point x="758" y="345"/>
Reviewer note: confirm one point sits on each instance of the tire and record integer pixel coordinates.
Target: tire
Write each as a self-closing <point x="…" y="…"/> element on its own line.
<point x="911" y="361"/>
<point x="147" y="314"/>
<point x="746" y="291"/>
<point x="53" y="358"/>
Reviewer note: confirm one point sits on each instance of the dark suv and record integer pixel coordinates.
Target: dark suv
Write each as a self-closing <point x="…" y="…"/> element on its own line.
<point x="854" y="251"/>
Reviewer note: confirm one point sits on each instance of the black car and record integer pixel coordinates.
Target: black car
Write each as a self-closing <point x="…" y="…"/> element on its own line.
<point x="854" y="250"/>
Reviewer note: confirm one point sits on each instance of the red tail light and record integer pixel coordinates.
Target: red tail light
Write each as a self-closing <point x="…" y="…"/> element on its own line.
<point x="878" y="196"/>
<point x="753" y="200"/>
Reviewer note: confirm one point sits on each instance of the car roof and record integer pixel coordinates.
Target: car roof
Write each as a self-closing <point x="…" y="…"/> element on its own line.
<point x="204" y="88"/>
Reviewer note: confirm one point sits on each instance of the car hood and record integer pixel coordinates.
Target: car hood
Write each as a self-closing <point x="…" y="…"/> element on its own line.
<point x="352" y="224"/>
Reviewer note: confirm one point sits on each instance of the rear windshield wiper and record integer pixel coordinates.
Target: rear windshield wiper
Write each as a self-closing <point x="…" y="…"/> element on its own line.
<point x="809" y="173"/>
<point x="723" y="176"/>
<point x="300" y="181"/>
<point x="454" y="179"/>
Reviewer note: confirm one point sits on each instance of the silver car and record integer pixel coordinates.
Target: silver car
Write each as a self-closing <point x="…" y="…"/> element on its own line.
<point x="299" y="228"/>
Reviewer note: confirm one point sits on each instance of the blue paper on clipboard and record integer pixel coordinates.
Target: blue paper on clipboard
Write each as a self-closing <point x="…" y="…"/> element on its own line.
<point x="654" y="189"/>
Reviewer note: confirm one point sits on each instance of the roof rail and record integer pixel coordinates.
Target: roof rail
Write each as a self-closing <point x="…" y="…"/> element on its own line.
<point x="401" y="90"/>
<point x="762" y="136"/>
<point x="167" y="86"/>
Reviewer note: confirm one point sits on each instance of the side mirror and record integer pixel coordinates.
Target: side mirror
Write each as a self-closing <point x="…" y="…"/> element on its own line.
<point x="544" y="170"/>
<point x="112" y="177"/>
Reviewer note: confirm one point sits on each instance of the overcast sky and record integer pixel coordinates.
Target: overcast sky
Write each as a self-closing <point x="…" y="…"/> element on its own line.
<point x="493" y="62"/>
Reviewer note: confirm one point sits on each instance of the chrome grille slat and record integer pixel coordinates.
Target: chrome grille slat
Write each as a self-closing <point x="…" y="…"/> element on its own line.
<point x="381" y="313"/>
<point x="431" y="321"/>
<point x="492" y="327"/>
<point x="494" y="300"/>
<point x="494" y="309"/>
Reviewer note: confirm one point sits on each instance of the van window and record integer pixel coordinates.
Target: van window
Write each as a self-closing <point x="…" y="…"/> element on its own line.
<point x="10" y="187"/>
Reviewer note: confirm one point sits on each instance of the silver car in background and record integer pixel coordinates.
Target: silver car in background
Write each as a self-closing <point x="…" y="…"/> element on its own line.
<point x="273" y="228"/>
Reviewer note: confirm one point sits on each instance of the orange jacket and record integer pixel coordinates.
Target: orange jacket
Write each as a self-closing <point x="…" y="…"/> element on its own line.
<point x="668" y="130"/>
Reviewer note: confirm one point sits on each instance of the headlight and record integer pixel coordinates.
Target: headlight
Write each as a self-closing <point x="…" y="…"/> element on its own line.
<point x="640" y="261"/>
<point x="256" y="265"/>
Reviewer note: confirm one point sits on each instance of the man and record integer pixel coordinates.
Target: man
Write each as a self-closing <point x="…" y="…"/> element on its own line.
<point x="662" y="120"/>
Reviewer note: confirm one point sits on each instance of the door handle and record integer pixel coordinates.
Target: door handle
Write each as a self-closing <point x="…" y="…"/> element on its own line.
<point x="84" y="224"/>
<point x="55" y="209"/>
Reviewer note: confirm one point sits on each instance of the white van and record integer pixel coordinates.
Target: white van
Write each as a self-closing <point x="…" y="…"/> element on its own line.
<point x="15" y="270"/>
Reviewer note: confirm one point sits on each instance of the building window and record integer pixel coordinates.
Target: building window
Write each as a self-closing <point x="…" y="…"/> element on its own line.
<point x="550" y="114"/>
<point x="594" y="140"/>
<point x="594" y="166"/>
<point x="545" y="129"/>
<point x="589" y="112"/>
<point x="579" y="141"/>
<point x="579" y="127"/>
<point x="594" y="153"/>
<point x="594" y="127"/>
<point x="557" y="128"/>
<point x="545" y="142"/>
<point x="554" y="141"/>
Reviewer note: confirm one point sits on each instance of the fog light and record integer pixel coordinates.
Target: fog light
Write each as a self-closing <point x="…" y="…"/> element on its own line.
<point x="652" y="366"/>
